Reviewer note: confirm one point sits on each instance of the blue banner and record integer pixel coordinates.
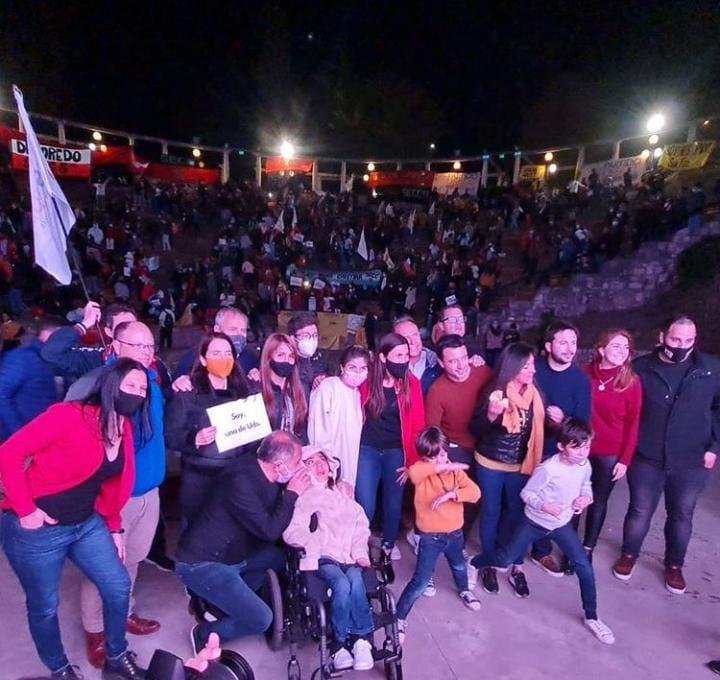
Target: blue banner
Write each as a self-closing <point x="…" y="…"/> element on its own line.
<point x="363" y="279"/>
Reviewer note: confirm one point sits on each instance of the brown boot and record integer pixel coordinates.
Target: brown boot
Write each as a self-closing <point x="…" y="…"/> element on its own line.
<point x="139" y="626"/>
<point x="96" y="649"/>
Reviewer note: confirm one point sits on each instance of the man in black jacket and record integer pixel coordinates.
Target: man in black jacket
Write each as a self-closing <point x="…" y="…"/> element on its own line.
<point x="225" y="552"/>
<point x="677" y="447"/>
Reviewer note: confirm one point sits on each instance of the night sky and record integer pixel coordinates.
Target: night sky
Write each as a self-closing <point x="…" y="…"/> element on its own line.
<point x="365" y="77"/>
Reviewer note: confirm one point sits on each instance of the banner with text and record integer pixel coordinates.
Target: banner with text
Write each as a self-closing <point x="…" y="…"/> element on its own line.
<point x="239" y="422"/>
<point x="686" y="156"/>
<point x="612" y="171"/>
<point x="532" y="173"/>
<point x="64" y="161"/>
<point x="448" y="182"/>
<point x="365" y="279"/>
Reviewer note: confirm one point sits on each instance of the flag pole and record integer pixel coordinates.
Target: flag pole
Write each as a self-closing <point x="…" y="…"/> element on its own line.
<point x="76" y="263"/>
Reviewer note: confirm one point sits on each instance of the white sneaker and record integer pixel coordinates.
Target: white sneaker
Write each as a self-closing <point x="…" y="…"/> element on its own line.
<point x="601" y="631"/>
<point x="430" y="590"/>
<point x="362" y="651"/>
<point x="469" y="600"/>
<point x="472" y="573"/>
<point x="342" y="659"/>
<point x="401" y="626"/>
<point x="412" y="538"/>
<point x="466" y="555"/>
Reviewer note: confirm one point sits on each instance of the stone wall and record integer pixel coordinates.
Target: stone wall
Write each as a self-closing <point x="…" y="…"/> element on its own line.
<point x="619" y="285"/>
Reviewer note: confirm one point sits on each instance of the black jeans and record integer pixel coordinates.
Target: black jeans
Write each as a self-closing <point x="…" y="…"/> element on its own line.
<point x="194" y="487"/>
<point x="602" y="486"/>
<point x="471" y="511"/>
<point x="682" y="489"/>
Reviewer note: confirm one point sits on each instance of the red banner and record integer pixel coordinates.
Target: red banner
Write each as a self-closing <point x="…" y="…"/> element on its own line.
<point x="280" y="164"/>
<point x="181" y="173"/>
<point x="415" y="179"/>
<point x="64" y="161"/>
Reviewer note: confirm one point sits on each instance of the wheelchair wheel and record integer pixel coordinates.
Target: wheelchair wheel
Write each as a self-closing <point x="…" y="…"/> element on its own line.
<point x="272" y="594"/>
<point x="237" y="664"/>
<point x="393" y="670"/>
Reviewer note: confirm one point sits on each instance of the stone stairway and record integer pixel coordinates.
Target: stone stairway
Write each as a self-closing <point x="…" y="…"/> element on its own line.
<point x="620" y="284"/>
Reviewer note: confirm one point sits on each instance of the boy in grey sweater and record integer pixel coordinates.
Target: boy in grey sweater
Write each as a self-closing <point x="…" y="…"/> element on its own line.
<point x="557" y="490"/>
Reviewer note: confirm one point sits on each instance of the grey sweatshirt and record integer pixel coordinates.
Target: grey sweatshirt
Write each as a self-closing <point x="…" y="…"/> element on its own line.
<point x="555" y="482"/>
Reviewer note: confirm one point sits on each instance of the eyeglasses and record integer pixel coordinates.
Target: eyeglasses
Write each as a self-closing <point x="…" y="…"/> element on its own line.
<point x="454" y="320"/>
<point x="138" y="346"/>
<point x="306" y="336"/>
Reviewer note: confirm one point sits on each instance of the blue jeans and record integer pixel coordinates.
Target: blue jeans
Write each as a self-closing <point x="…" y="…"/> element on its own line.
<point x="37" y="557"/>
<point x="430" y="547"/>
<point x="682" y="489"/>
<point x="566" y="537"/>
<point x="350" y="608"/>
<point x="502" y="507"/>
<point x="374" y="466"/>
<point x="231" y="588"/>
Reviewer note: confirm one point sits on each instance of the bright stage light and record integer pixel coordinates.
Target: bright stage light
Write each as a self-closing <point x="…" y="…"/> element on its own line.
<point x="287" y="149"/>
<point x="655" y="123"/>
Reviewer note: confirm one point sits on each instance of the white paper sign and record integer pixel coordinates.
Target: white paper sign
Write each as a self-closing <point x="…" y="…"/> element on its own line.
<point x="309" y="244"/>
<point x="319" y="284"/>
<point x="239" y="422"/>
<point x="296" y="281"/>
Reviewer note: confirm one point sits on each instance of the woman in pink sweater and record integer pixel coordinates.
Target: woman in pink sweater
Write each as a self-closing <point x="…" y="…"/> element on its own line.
<point x="334" y="532"/>
<point x="616" y="402"/>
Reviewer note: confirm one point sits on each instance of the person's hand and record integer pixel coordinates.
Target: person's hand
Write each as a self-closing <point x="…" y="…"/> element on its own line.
<point x="447" y="496"/>
<point x="619" y="471"/>
<point x="91" y="315"/>
<point x="554" y="509"/>
<point x="300" y="482"/>
<point x="451" y="467"/>
<point x="555" y="414"/>
<point x="182" y="384"/>
<point x="580" y="503"/>
<point x="205" y="436"/>
<point x="495" y="408"/>
<point x="345" y="488"/>
<point x="476" y="361"/>
<point x="254" y="375"/>
<point x="402" y="474"/>
<point x="36" y="520"/>
<point x="119" y="541"/>
<point x="363" y="562"/>
<point x="210" y="652"/>
<point x="710" y="459"/>
<point x="318" y="380"/>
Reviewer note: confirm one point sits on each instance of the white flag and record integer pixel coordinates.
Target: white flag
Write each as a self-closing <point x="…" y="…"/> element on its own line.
<point x="280" y="224"/>
<point x="51" y="213"/>
<point x="432" y="209"/>
<point x="362" y="250"/>
<point x="349" y="183"/>
<point x="294" y="220"/>
<point x="386" y="258"/>
<point x="411" y="222"/>
<point x="381" y="208"/>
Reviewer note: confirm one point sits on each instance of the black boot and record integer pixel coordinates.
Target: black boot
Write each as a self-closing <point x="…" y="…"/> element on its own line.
<point x="68" y="673"/>
<point x="123" y="668"/>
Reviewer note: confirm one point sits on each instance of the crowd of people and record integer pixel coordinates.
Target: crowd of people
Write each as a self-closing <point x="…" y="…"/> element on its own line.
<point x="524" y="449"/>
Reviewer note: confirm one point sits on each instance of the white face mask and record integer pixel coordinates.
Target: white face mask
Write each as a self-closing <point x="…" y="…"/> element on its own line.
<point x="307" y="348"/>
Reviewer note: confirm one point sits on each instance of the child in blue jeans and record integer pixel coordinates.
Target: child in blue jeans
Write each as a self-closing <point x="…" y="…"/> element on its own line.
<point x="557" y="490"/>
<point x="441" y="488"/>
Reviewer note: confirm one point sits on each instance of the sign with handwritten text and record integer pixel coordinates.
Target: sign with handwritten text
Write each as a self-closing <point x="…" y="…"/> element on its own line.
<point x="239" y="422"/>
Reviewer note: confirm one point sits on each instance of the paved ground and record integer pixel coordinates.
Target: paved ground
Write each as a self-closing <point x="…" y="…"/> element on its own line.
<point x="659" y="635"/>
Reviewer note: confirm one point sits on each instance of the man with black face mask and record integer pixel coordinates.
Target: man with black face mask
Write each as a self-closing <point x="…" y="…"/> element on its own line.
<point x="677" y="446"/>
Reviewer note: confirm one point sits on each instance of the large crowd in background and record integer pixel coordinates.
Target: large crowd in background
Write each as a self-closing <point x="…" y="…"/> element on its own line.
<point x="418" y="436"/>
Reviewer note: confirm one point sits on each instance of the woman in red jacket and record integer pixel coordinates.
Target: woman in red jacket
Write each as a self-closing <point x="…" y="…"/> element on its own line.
<point x="616" y="402"/>
<point x="66" y="504"/>
<point x="394" y="416"/>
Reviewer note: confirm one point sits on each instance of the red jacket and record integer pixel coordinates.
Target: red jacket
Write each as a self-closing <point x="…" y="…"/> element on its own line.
<point x="412" y="419"/>
<point x="65" y="448"/>
<point x="615" y="415"/>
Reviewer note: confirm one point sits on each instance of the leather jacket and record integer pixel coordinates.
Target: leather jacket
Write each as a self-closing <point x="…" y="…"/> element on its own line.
<point x="495" y="442"/>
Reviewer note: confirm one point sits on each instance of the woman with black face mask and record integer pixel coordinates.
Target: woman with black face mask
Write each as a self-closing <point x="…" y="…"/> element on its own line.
<point x="282" y="391"/>
<point x="66" y="504"/>
<point x="394" y="416"/>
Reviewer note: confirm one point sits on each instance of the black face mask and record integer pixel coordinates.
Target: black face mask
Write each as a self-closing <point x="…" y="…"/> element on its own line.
<point x="239" y="342"/>
<point x="676" y="354"/>
<point x="282" y="369"/>
<point x="128" y="404"/>
<point x="397" y="370"/>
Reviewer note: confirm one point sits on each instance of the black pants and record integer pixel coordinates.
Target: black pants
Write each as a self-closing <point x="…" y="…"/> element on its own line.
<point x="166" y="337"/>
<point x="602" y="486"/>
<point x="194" y="487"/>
<point x="471" y="511"/>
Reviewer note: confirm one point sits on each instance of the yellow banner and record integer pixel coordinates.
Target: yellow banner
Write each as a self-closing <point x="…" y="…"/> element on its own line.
<point x="334" y="328"/>
<point x="686" y="156"/>
<point x="532" y="173"/>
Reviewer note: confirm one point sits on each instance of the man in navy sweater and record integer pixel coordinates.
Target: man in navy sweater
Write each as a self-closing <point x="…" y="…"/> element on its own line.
<point x="566" y="393"/>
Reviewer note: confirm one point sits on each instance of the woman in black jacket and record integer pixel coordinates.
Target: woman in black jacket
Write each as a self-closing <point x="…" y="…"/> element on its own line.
<point x="216" y="379"/>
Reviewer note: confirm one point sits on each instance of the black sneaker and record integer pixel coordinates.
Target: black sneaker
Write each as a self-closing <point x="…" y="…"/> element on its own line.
<point x="123" y="668"/>
<point x="162" y="562"/>
<point x="68" y="673"/>
<point x="489" y="580"/>
<point x="519" y="583"/>
<point x="714" y="666"/>
<point x="589" y="552"/>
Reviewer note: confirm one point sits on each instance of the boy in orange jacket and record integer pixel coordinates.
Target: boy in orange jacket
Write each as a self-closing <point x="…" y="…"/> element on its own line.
<point x="441" y="488"/>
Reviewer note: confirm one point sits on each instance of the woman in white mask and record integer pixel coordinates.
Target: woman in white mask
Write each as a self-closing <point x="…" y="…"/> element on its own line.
<point x="335" y="415"/>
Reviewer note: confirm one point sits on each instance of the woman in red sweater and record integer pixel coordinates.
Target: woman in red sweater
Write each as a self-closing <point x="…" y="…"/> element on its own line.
<point x="65" y="504"/>
<point x="616" y="401"/>
<point x="394" y="414"/>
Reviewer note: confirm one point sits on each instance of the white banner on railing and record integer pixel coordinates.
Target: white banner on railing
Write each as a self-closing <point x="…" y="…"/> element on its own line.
<point x="613" y="170"/>
<point x="447" y="182"/>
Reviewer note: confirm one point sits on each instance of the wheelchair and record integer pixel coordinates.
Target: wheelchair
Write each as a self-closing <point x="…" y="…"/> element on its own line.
<point x="300" y="603"/>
